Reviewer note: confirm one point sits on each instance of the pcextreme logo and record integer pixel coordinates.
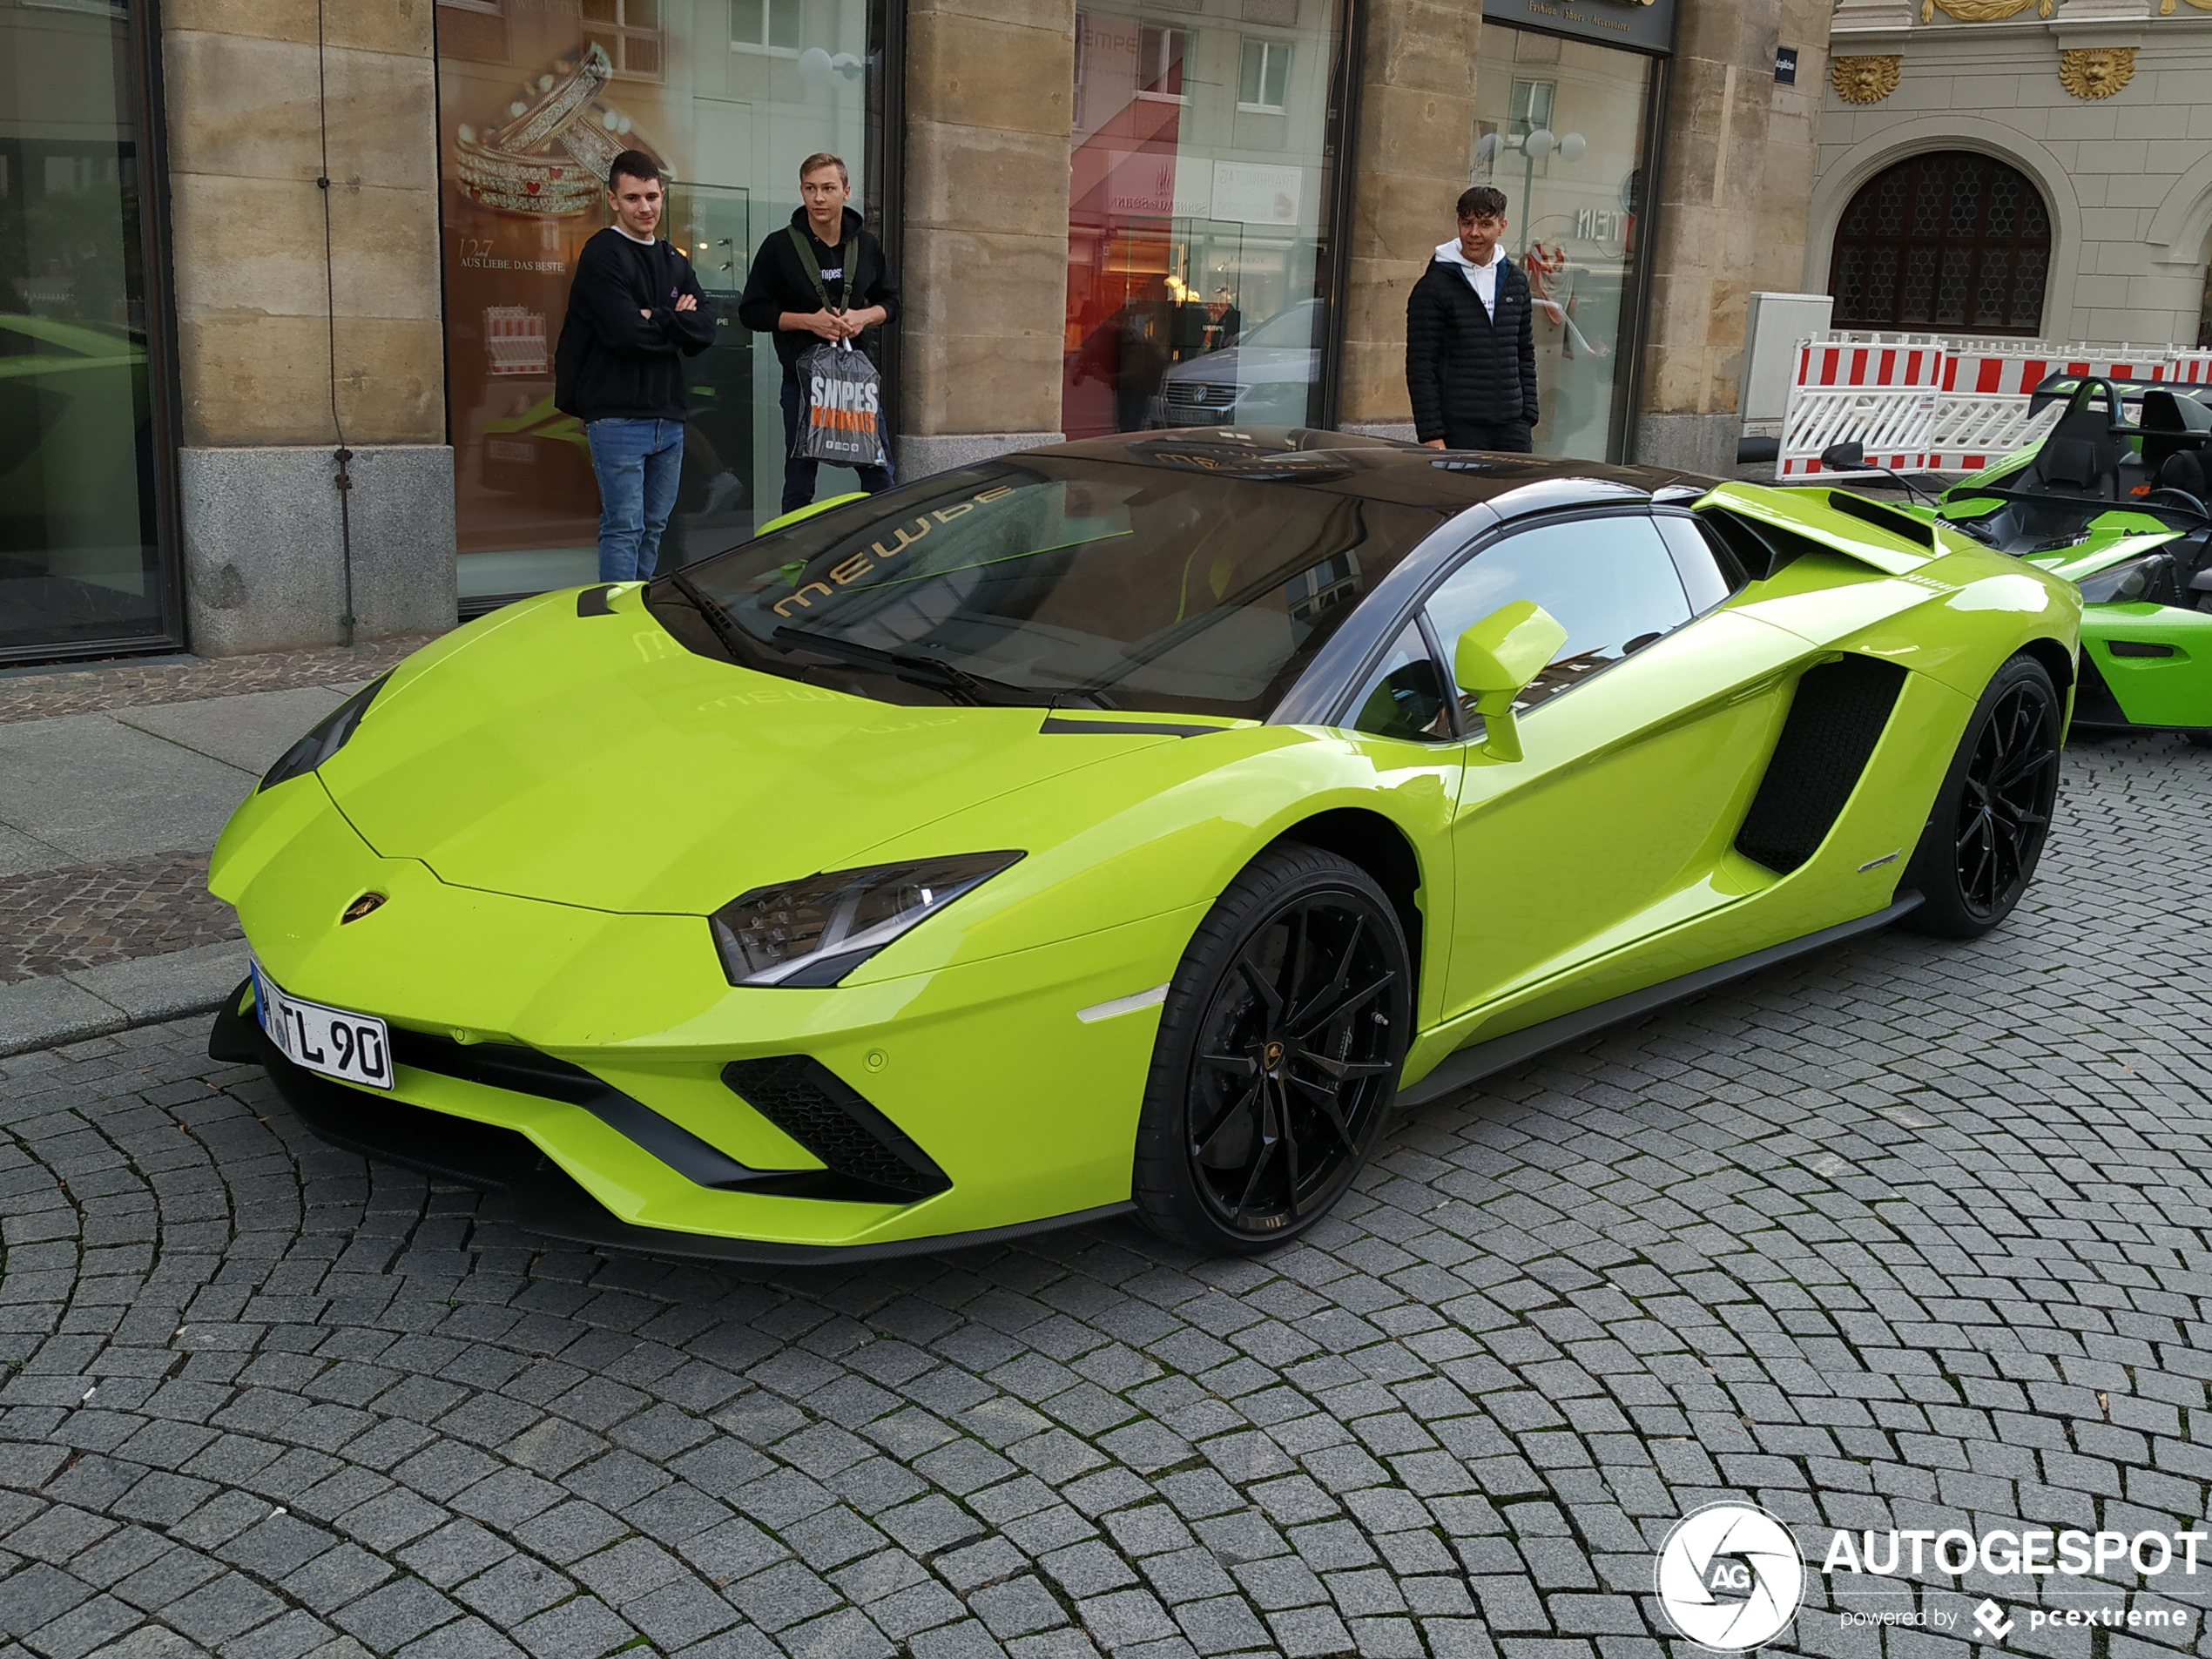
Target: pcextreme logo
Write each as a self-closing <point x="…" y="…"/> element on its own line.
<point x="1731" y="1577"/>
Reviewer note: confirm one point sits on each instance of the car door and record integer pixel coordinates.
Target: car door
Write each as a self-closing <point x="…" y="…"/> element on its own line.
<point x="1643" y="741"/>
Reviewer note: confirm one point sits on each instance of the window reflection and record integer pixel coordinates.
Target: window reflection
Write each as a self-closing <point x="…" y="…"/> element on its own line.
<point x="78" y="559"/>
<point x="1559" y="127"/>
<point x="1610" y="582"/>
<point x="1406" y="698"/>
<point x="1197" y="216"/>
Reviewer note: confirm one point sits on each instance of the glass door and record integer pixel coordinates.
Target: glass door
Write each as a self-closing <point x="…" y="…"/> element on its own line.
<point x="1559" y="127"/>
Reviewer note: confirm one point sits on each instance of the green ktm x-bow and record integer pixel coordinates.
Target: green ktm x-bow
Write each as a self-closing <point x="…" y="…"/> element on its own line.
<point x="2118" y="506"/>
<point x="1126" y="825"/>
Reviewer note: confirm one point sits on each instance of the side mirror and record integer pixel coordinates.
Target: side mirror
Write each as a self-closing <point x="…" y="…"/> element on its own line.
<point x="1849" y="455"/>
<point x="1494" y="662"/>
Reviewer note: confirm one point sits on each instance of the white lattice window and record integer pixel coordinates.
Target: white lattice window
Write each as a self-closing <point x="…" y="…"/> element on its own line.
<point x="1263" y="82"/>
<point x="629" y="31"/>
<point x="1160" y="54"/>
<point x="765" y="25"/>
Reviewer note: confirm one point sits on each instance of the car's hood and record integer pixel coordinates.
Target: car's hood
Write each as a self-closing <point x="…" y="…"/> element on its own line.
<point x="1250" y="366"/>
<point x="595" y="761"/>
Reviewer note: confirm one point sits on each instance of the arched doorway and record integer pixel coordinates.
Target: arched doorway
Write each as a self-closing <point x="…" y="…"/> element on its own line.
<point x="1948" y="240"/>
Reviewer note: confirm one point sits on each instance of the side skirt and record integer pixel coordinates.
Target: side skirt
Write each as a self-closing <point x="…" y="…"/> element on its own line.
<point x="1471" y="1065"/>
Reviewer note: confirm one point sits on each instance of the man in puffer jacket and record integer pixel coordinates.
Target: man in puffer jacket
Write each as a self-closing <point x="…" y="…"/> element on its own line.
<point x="1470" y="347"/>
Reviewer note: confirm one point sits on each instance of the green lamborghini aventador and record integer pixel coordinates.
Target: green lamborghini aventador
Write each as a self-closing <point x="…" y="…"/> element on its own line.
<point x="1129" y="825"/>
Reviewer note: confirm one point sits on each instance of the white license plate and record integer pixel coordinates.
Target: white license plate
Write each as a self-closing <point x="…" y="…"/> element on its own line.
<point x="507" y="449"/>
<point x="353" y="1048"/>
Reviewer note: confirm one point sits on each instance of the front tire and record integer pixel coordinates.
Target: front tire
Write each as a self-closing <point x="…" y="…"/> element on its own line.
<point x="1278" y="1058"/>
<point x="1992" y="813"/>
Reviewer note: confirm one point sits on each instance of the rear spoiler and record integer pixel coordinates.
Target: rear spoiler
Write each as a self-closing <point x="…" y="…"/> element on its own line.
<point x="1894" y="542"/>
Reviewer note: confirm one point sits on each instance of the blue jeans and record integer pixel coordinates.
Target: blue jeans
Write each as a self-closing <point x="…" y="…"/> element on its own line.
<point x="800" y="473"/>
<point x="637" y="464"/>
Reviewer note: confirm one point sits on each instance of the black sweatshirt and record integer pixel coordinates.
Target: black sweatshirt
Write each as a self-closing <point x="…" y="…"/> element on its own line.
<point x="779" y="283"/>
<point x="1464" y="367"/>
<point x="611" y="361"/>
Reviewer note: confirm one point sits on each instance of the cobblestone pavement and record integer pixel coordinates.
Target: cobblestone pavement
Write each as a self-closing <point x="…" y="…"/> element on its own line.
<point x="91" y="914"/>
<point x="1907" y="1235"/>
<point x="48" y="693"/>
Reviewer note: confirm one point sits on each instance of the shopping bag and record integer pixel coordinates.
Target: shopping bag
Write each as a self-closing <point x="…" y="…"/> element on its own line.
<point x="843" y="422"/>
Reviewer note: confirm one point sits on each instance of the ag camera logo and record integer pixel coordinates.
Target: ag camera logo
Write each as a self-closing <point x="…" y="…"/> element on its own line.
<point x="1731" y="1577"/>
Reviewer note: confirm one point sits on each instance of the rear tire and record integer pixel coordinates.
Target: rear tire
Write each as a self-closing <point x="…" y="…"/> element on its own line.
<point x="1278" y="1058"/>
<point x="1993" y="814"/>
<point x="2201" y="739"/>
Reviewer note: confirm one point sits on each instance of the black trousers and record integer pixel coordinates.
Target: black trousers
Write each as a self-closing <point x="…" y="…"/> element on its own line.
<point x="1509" y="437"/>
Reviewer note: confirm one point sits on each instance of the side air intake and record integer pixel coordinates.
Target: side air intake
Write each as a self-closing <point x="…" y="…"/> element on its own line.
<point x="812" y="1104"/>
<point x="1834" y="720"/>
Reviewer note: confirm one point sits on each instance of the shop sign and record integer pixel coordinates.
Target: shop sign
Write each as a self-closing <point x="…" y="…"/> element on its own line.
<point x="1147" y="184"/>
<point x="1642" y="25"/>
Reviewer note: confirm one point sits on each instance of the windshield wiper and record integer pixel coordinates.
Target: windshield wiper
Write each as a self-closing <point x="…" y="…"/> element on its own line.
<point x="726" y="627"/>
<point x="976" y="689"/>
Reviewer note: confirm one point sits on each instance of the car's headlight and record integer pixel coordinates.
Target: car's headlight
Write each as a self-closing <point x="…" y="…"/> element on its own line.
<point x="814" y="932"/>
<point x="2136" y="578"/>
<point x="325" y="738"/>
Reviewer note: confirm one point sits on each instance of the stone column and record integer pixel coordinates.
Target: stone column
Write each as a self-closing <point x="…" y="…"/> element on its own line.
<point x="263" y="407"/>
<point x="1415" y="153"/>
<point x="990" y="85"/>
<point x="1734" y="197"/>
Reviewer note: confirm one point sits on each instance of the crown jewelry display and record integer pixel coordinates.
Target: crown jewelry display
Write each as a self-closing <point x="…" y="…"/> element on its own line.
<point x="551" y="159"/>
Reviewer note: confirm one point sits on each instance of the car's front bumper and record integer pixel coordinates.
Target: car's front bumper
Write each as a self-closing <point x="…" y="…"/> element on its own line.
<point x="545" y="1198"/>
<point x="610" y="1048"/>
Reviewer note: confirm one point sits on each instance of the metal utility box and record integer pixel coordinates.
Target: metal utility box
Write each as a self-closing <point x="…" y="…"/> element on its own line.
<point x="1772" y="327"/>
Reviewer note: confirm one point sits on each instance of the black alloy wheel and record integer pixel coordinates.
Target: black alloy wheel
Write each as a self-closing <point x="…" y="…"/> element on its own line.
<point x="1279" y="1055"/>
<point x="1993" y="814"/>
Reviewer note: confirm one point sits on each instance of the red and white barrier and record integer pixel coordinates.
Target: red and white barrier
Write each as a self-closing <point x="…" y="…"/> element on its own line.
<point x="1878" y="389"/>
<point x="1922" y="403"/>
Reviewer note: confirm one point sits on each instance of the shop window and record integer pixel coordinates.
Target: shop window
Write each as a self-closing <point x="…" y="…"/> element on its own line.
<point x="765" y="25"/>
<point x="629" y="31"/>
<point x="728" y="98"/>
<point x="81" y="567"/>
<point x="1263" y="84"/>
<point x="1947" y="240"/>
<point x="1199" y="237"/>
<point x="1566" y="146"/>
<point x="1159" y="60"/>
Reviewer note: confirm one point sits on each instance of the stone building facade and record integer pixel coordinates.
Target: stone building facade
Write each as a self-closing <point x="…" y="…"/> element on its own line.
<point x="347" y="230"/>
<point x="2098" y="104"/>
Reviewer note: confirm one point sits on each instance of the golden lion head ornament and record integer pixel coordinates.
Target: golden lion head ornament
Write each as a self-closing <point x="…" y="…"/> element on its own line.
<point x="1866" y="80"/>
<point x="2096" y="71"/>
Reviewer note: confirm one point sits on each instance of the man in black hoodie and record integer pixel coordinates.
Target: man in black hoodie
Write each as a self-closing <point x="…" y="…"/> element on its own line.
<point x="858" y="292"/>
<point x="635" y="312"/>
<point x="1470" y="348"/>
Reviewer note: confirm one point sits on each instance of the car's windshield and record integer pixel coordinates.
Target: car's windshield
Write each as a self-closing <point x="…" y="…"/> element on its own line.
<point x="1055" y="577"/>
<point x="1293" y="327"/>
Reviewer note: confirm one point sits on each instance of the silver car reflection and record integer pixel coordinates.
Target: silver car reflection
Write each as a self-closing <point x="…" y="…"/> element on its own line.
<point x="1265" y="379"/>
